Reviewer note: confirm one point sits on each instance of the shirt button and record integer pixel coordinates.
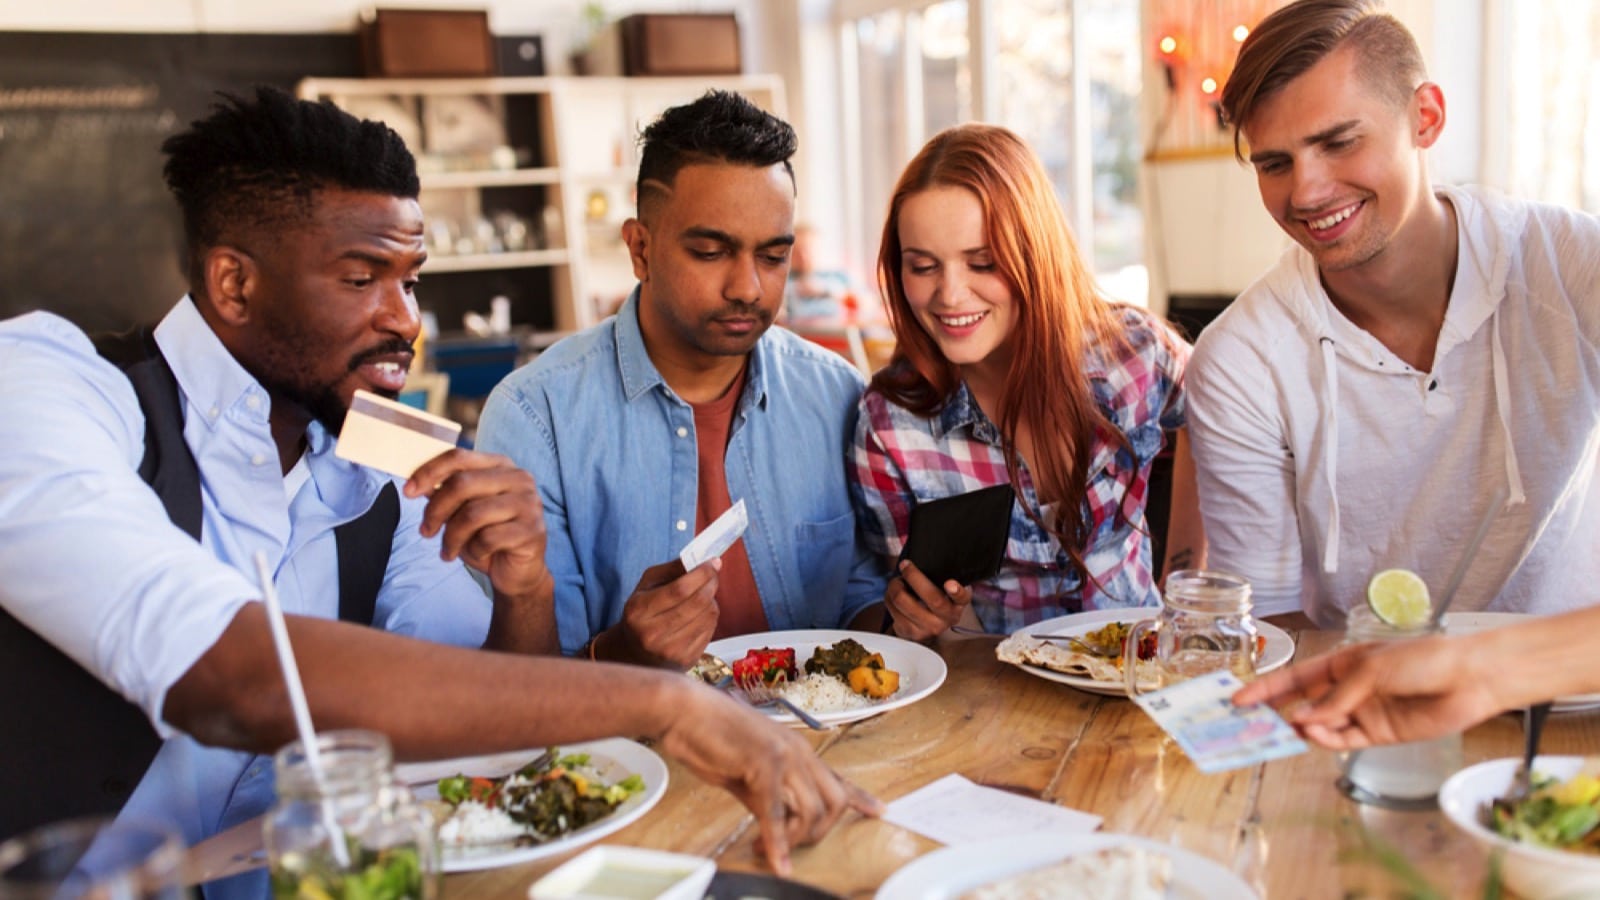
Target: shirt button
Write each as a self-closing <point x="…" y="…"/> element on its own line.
<point x="258" y="459"/>
<point x="253" y="401"/>
<point x="213" y="412"/>
<point x="682" y="431"/>
<point x="682" y="525"/>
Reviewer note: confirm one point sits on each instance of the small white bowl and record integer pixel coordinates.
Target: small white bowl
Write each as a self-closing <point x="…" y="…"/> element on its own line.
<point x="1533" y="872"/>
<point x="610" y="872"/>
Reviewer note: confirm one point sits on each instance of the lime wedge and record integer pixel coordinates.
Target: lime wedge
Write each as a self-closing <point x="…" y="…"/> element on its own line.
<point x="1400" y="598"/>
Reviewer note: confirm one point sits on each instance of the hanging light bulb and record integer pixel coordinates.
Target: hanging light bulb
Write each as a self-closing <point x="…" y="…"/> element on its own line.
<point x="1240" y="32"/>
<point x="1208" y="85"/>
<point x="1168" y="44"/>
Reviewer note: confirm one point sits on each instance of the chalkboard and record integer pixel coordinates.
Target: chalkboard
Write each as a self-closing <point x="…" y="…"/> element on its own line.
<point x="87" y="227"/>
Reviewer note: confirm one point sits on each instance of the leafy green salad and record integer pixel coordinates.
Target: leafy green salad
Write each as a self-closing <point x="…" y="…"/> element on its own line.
<point x="543" y="800"/>
<point x="1559" y="814"/>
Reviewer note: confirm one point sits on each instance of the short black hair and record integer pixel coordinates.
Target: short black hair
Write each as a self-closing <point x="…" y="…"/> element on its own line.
<point x="256" y="164"/>
<point x="720" y="126"/>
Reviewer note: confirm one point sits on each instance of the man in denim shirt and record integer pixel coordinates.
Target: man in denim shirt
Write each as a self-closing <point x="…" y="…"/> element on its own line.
<point x="645" y="428"/>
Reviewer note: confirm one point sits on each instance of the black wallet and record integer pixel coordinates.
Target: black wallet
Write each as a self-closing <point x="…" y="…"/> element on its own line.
<point x="961" y="538"/>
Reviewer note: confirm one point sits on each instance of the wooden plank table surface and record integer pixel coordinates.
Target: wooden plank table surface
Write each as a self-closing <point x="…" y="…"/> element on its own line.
<point x="1282" y="826"/>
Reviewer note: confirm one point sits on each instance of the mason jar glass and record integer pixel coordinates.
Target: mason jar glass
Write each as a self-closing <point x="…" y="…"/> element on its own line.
<point x="1398" y="776"/>
<point x="353" y="832"/>
<point x="1204" y="626"/>
<point x="92" y="859"/>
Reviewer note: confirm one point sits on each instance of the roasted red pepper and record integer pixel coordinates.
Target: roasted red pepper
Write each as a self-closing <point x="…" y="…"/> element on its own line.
<point x="770" y="664"/>
<point x="1147" y="645"/>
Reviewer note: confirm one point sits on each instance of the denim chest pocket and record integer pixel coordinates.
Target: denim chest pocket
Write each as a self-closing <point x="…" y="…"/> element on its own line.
<point x="824" y="552"/>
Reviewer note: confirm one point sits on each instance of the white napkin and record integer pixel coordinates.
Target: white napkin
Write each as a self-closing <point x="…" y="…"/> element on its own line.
<point x="954" y="810"/>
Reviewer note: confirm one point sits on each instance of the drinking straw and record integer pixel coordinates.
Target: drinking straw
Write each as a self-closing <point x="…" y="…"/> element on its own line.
<point x="1469" y="555"/>
<point x="297" y="702"/>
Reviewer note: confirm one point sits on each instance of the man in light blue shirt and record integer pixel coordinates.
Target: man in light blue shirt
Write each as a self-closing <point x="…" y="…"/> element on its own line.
<point x="304" y="243"/>
<point x="643" y="429"/>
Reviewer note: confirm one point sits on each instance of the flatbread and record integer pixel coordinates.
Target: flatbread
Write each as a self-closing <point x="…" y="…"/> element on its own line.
<point x="1022" y="649"/>
<point x="1115" y="873"/>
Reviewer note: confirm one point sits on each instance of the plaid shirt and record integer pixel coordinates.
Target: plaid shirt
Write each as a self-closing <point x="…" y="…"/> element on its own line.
<point x="900" y="459"/>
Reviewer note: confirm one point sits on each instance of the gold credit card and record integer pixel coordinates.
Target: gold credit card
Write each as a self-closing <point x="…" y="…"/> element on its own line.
<point x="392" y="437"/>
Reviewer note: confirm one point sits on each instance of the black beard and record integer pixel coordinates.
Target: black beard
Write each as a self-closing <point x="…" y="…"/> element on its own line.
<point x="322" y="401"/>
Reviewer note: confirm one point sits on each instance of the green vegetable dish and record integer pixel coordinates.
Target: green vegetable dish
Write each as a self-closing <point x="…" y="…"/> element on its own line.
<point x="543" y="800"/>
<point x="394" y="873"/>
<point x="1559" y="814"/>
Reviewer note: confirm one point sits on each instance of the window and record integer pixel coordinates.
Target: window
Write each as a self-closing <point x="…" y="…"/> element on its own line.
<point x="1064" y="74"/>
<point x="1552" y="138"/>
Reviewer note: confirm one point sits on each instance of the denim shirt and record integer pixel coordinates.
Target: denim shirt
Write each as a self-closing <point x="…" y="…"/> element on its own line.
<point x="613" y="450"/>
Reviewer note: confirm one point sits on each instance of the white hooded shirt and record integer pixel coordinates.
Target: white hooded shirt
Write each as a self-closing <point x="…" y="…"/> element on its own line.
<point x="1324" y="458"/>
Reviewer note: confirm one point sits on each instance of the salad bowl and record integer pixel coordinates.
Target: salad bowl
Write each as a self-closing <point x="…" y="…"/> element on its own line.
<point x="1533" y="871"/>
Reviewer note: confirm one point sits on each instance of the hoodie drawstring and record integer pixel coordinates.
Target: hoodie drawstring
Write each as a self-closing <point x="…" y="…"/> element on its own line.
<point x="1330" y="452"/>
<point x="1502" y="402"/>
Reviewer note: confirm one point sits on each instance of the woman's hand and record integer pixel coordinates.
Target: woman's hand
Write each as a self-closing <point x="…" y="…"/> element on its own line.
<point x="922" y="609"/>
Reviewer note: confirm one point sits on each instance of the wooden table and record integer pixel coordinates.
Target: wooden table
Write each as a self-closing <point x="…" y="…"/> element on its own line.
<point x="1280" y="825"/>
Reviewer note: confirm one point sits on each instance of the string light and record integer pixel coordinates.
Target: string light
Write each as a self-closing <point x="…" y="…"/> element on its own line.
<point x="1196" y="42"/>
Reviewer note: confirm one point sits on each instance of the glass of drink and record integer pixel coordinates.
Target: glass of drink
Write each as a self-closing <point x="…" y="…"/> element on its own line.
<point x="350" y="831"/>
<point x="1400" y="776"/>
<point x="1204" y="626"/>
<point x="93" y="858"/>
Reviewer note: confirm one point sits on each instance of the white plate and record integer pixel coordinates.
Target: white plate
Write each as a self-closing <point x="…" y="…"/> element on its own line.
<point x="1277" y="653"/>
<point x="921" y="670"/>
<point x="614" y="758"/>
<point x="952" y="871"/>
<point x="1532" y="871"/>
<point x="1473" y="622"/>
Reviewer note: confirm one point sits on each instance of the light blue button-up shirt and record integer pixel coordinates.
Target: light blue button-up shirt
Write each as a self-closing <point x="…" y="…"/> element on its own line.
<point x="613" y="451"/>
<point x="89" y="559"/>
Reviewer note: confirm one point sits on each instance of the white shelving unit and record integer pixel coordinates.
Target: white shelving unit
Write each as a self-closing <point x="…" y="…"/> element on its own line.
<point x="580" y="151"/>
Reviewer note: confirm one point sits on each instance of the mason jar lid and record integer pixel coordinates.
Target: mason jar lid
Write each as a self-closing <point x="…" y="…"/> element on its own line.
<point x="351" y="760"/>
<point x="1208" y="590"/>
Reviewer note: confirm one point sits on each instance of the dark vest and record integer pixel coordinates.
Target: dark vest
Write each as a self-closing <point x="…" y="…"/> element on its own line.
<point x="71" y="746"/>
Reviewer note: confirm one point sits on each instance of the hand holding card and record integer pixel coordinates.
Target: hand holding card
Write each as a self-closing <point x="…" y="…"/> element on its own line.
<point x="392" y="437"/>
<point x="717" y="538"/>
<point x="1199" y="714"/>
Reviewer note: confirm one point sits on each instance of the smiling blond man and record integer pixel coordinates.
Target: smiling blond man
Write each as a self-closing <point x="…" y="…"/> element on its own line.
<point x="1421" y="352"/>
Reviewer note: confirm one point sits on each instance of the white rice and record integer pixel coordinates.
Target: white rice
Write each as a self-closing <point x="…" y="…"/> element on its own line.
<point x="819" y="693"/>
<point x="472" y="823"/>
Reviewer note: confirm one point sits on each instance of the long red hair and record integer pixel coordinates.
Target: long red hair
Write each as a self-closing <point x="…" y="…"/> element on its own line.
<point x="1060" y="316"/>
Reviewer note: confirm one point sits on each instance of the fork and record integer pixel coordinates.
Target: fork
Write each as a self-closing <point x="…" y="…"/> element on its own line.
<point x="760" y="695"/>
<point x="1532" y="725"/>
<point x="1074" y="641"/>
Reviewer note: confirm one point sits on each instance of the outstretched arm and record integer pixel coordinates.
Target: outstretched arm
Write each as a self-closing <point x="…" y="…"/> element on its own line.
<point x="1414" y="690"/>
<point x="435" y="701"/>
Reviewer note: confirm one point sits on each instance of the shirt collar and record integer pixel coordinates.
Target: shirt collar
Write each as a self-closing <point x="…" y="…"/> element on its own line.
<point x="639" y="372"/>
<point x="218" y="388"/>
<point x="961" y="411"/>
<point x="211" y="379"/>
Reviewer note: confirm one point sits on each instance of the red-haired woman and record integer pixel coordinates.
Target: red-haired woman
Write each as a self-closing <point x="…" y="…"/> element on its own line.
<point x="1010" y="368"/>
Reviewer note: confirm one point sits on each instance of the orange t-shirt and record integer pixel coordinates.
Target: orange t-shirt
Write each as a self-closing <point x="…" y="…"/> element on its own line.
<point x="738" y="600"/>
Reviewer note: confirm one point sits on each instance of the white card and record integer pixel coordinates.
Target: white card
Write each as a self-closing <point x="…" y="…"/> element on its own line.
<point x="717" y="538"/>
<point x="954" y="810"/>
<point x="1199" y="714"/>
<point x="392" y="437"/>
